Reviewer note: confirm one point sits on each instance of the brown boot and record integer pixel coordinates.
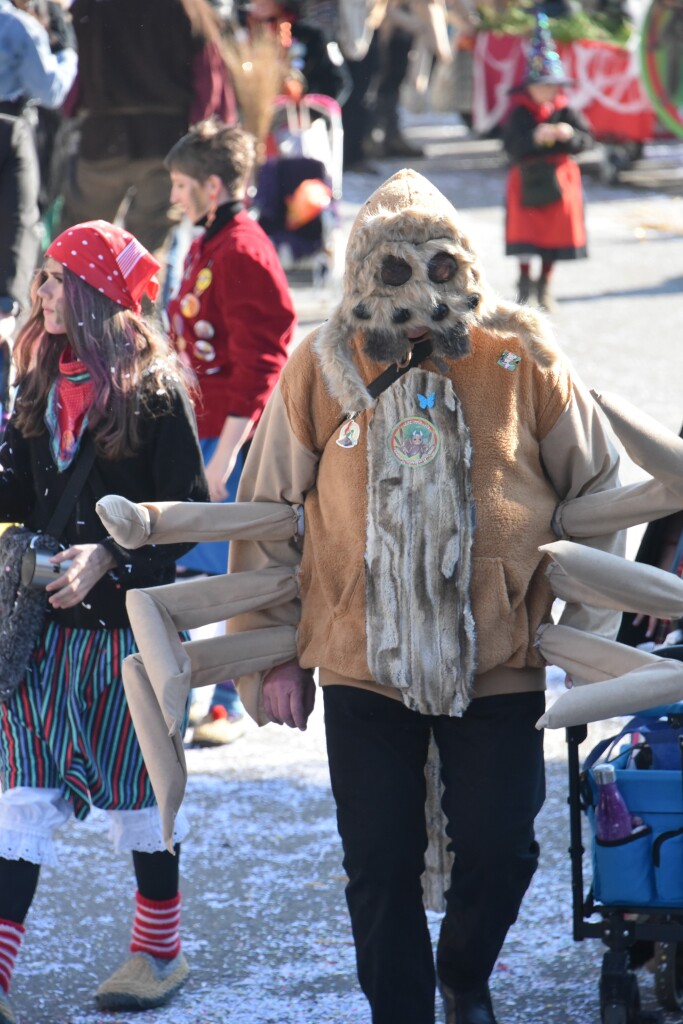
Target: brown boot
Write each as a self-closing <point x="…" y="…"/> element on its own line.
<point x="544" y="294"/>
<point x="524" y="288"/>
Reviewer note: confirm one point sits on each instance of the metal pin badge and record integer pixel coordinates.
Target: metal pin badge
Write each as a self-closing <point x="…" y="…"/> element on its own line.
<point x="509" y="361"/>
<point x="349" y="434"/>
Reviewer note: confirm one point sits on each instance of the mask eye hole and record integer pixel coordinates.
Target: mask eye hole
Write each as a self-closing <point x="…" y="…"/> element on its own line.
<point x="395" y="271"/>
<point x="442" y="268"/>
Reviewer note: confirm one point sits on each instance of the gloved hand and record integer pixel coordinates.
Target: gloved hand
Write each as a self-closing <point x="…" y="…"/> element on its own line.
<point x="289" y="695"/>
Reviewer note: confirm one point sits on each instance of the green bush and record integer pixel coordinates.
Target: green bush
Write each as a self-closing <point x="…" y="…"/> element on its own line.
<point x="518" y="20"/>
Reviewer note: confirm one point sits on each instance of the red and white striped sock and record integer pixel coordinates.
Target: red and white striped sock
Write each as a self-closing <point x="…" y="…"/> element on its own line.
<point x="156" y="927"/>
<point x="11" y="935"/>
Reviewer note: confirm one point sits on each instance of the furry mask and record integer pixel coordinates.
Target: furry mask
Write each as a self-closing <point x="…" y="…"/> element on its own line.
<point x="412" y="273"/>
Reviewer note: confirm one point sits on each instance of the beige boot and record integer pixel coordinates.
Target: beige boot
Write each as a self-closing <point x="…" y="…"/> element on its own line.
<point x="218" y="728"/>
<point x="544" y="294"/>
<point x="142" y="983"/>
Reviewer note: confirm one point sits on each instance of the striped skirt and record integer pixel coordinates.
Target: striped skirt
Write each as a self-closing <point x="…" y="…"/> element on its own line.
<point x="67" y="726"/>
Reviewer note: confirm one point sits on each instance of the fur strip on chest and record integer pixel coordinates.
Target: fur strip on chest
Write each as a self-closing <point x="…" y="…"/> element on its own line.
<point x="420" y="630"/>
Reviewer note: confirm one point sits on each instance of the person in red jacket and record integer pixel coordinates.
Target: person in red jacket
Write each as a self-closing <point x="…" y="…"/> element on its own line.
<point x="232" y="319"/>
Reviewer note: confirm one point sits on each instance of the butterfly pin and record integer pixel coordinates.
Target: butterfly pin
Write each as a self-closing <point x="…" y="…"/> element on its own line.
<point x="427" y="401"/>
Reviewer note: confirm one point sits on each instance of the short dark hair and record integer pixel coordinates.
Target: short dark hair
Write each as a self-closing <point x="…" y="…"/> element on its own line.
<point x="211" y="147"/>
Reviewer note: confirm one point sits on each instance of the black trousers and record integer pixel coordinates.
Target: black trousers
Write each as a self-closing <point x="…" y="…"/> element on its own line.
<point x="393" y="65"/>
<point x="357" y="121"/>
<point x="493" y="773"/>
<point x="19" y="214"/>
<point x="156" y="875"/>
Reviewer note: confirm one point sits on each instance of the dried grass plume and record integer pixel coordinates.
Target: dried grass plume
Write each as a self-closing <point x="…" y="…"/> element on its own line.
<point x="258" y="66"/>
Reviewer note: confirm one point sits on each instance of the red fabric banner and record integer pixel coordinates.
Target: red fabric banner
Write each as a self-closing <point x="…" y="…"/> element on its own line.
<point x="608" y="89"/>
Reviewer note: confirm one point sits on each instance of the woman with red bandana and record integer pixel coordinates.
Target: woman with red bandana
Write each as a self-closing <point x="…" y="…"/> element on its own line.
<point x="544" y="201"/>
<point x="92" y="373"/>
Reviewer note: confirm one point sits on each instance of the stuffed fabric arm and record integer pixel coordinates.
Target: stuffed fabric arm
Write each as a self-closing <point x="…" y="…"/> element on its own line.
<point x="580" y="458"/>
<point x="279" y="468"/>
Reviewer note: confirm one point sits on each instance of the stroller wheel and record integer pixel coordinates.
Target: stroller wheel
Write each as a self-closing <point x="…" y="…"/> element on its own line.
<point x="619" y="994"/>
<point x="669" y="974"/>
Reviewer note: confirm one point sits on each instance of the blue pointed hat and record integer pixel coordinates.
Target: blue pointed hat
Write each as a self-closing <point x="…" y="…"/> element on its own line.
<point x="543" y="63"/>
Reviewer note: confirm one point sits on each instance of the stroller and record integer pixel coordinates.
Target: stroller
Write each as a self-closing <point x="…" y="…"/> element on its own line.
<point x="299" y="185"/>
<point x="637" y="882"/>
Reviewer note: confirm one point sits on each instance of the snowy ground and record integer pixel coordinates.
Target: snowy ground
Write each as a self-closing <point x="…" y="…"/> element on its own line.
<point x="264" y="923"/>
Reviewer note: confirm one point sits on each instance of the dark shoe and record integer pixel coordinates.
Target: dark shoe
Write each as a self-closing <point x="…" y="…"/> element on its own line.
<point x="467" y="1007"/>
<point x="361" y="167"/>
<point x="398" y="145"/>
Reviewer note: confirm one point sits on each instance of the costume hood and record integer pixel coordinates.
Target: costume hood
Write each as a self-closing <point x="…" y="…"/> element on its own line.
<point x="409" y="265"/>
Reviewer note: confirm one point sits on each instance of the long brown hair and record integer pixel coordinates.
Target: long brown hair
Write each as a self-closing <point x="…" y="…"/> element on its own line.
<point x="132" y="366"/>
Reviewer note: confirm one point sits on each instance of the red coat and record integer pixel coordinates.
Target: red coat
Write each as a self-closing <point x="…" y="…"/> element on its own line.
<point x="233" y="319"/>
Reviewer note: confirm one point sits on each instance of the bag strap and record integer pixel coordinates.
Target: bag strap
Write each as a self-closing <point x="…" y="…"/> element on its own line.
<point x="418" y="354"/>
<point x="80" y="468"/>
<point x="636" y="724"/>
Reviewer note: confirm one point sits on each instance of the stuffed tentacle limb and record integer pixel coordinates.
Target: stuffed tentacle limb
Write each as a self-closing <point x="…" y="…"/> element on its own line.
<point x="157" y="613"/>
<point x="586" y="657"/>
<point x="240" y="654"/>
<point x="157" y="693"/>
<point x="579" y="574"/>
<point x="645" y="687"/>
<point x="652" y="446"/>
<point x="605" y="512"/>
<point x="616" y="679"/>
<point x="197" y="603"/>
<point x="175" y="522"/>
<point x="163" y="755"/>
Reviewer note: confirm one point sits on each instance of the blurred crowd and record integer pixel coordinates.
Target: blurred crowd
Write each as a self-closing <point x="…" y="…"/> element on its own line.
<point x="91" y="106"/>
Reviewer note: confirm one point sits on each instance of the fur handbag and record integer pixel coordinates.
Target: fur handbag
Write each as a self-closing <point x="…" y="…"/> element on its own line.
<point x="23" y="607"/>
<point x="540" y="186"/>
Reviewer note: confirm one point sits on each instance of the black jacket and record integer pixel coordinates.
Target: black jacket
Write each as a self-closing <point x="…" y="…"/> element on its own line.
<point x="168" y="468"/>
<point x="518" y="130"/>
<point x="135" y="75"/>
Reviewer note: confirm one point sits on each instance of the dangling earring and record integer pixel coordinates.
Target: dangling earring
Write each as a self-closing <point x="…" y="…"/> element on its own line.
<point x="211" y="215"/>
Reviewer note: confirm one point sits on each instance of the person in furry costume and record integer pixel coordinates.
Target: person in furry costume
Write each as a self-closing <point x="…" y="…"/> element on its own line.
<point x="429" y="431"/>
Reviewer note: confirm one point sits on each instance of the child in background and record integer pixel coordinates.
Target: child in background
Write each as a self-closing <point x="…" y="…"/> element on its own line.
<point x="544" y="200"/>
<point x="232" y="322"/>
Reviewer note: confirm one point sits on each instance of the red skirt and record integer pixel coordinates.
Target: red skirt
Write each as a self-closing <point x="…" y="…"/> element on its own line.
<point x="556" y="231"/>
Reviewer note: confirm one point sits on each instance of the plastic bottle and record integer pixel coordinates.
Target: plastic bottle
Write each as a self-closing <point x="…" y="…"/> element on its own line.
<point x="612" y="816"/>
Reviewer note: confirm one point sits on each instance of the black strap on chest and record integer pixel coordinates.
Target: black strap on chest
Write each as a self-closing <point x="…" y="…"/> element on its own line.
<point x="80" y="469"/>
<point x="418" y="354"/>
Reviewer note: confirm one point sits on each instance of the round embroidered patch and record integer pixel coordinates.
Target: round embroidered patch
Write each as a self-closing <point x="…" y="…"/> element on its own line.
<point x="414" y="442"/>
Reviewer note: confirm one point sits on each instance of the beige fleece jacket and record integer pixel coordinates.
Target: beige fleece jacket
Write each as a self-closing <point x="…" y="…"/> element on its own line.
<point x="536" y="438"/>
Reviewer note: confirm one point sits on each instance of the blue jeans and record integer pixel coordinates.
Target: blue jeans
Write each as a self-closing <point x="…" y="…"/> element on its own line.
<point x="212" y="556"/>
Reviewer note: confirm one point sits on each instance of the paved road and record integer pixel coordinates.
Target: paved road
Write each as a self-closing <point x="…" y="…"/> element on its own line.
<point x="265" y="926"/>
